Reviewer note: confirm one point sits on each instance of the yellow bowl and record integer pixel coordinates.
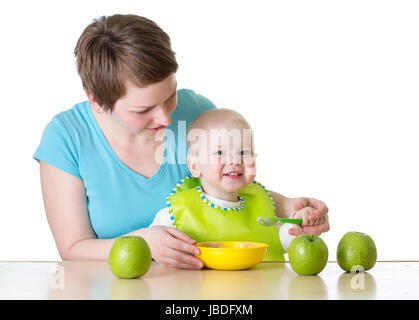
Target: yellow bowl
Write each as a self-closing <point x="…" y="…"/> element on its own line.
<point x="231" y="255"/>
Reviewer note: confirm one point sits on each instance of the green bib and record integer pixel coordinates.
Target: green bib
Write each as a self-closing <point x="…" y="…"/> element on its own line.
<point x="196" y="216"/>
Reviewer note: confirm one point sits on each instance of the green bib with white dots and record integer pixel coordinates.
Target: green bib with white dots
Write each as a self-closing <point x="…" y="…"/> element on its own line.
<point x="196" y="216"/>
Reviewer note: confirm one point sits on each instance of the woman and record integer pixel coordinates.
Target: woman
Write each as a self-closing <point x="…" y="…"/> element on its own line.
<point x="107" y="164"/>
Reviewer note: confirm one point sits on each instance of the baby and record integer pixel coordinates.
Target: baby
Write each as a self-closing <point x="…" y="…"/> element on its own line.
<point x="221" y="200"/>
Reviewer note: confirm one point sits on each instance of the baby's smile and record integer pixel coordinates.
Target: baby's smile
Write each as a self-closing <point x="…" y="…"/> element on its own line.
<point x="235" y="175"/>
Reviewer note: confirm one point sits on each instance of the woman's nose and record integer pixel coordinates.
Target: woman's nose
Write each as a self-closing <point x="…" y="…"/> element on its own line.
<point x="161" y="116"/>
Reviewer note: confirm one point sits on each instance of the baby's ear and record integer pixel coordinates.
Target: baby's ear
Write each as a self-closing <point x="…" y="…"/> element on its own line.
<point x="193" y="165"/>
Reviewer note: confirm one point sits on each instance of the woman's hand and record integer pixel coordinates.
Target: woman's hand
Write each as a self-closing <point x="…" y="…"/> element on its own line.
<point x="314" y="215"/>
<point x="172" y="248"/>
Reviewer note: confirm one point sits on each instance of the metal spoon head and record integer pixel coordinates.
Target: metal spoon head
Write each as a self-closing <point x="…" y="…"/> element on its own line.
<point x="266" y="221"/>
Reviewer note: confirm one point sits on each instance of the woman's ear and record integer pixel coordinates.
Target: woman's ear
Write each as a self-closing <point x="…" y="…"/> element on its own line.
<point x="94" y="104"/>
<point x="193" y="166"/>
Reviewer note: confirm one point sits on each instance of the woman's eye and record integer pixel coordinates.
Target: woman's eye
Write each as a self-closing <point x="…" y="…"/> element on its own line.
<point x="144" y="111"/>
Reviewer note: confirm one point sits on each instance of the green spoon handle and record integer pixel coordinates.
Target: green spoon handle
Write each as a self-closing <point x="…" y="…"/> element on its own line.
<point x="270" y="221"/>
<point x="293" y="221"/>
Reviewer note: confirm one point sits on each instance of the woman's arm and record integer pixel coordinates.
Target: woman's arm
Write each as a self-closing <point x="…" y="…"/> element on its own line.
<point x="66" y="209"/>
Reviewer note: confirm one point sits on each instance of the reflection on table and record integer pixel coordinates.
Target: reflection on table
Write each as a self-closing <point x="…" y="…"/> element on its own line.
<point x="267" y="280"/>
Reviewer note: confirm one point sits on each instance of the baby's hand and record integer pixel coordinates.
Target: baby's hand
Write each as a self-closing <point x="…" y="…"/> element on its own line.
<point x="304" y="214"/>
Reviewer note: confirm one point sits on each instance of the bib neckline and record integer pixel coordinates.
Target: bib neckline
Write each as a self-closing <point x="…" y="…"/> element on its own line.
<point x="213" y="205"/>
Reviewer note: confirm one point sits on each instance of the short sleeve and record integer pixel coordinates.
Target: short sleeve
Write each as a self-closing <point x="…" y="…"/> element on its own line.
<point x="203" y="103"/>
<point x="57" y="147"/>
<point x="163" y="218"/>
<point x="285" y="237"/>
<point x="190" y="105"/>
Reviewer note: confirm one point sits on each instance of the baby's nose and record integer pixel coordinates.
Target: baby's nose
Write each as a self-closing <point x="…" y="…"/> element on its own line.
<point x="235" y="159"/>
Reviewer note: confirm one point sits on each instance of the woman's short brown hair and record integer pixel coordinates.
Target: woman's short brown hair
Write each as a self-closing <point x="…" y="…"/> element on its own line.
<point x="117" y="48"/>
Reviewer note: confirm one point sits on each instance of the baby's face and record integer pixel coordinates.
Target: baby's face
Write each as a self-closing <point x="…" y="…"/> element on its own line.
<point x="225" y="159"/>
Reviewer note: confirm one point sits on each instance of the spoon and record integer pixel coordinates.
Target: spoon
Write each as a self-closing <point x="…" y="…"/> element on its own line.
<point x="270" y="221"/>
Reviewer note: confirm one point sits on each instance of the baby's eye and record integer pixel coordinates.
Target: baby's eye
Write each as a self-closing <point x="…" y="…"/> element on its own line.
<point x="219" y="153"/>
<point x="244" y="153"/>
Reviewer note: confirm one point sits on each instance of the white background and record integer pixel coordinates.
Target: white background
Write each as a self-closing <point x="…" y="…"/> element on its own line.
<point x="330" y="88"/>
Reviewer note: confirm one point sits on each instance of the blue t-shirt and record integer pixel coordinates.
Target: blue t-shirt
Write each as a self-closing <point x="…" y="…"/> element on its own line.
<point x="119" y="200"/>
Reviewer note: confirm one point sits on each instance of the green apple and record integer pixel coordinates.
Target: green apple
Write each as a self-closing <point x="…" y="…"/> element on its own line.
<point x="130" y="257"/>
<point x="355" y="250"/>
<point x="308" y="254"/>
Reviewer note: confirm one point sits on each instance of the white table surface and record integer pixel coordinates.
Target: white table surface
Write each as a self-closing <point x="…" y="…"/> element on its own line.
<point x="267" y="281"/>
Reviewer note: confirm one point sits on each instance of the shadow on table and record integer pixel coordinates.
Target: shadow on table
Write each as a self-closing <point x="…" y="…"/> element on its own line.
<point x="307" y="287"/>
<point x="264" y="281"/>
<point x="129" y="289"/>
<point x="90" y="280"/>
<point x="356" y="286"/>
